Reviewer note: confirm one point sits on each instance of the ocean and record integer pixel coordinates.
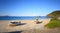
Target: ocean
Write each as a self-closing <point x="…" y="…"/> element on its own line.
<point x="22" y="17"/>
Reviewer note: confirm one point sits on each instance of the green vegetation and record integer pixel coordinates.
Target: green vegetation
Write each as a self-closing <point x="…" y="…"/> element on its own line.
<point x="53" y="23"/>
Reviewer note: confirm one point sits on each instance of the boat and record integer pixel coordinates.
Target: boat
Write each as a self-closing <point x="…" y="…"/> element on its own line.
<point x="14" y="23"/>
<point x="37" y="21"/>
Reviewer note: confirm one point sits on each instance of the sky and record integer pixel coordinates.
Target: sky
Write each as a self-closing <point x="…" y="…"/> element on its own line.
<point x="28" y="7"/>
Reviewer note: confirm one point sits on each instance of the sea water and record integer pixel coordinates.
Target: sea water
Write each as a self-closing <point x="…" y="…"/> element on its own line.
<point x="22" y="17"/>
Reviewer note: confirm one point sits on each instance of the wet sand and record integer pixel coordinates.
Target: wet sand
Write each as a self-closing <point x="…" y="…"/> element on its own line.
<point x="30" y="26"/>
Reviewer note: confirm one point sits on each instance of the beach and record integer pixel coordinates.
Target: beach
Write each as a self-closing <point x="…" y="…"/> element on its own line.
<point x="29" y="26"/>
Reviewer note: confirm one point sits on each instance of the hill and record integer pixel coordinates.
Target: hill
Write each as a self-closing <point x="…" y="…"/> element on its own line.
<point x="54" y="14"/>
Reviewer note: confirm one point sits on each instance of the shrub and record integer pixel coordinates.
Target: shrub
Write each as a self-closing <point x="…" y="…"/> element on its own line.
<point x="53" y="23"/>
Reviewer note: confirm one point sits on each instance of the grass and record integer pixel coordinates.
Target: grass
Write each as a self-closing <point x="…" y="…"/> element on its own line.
<point x="53" y="23"/>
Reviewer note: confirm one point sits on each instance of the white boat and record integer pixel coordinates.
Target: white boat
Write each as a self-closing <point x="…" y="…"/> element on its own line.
<point x="16" y="23"/>
<point x="37" y="21"/>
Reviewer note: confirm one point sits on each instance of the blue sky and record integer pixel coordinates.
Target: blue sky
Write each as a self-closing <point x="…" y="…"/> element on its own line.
<point x="28" y="7"/>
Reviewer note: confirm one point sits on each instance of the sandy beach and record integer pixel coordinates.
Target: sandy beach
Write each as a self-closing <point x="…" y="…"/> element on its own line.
<point x="29" y="26"/>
